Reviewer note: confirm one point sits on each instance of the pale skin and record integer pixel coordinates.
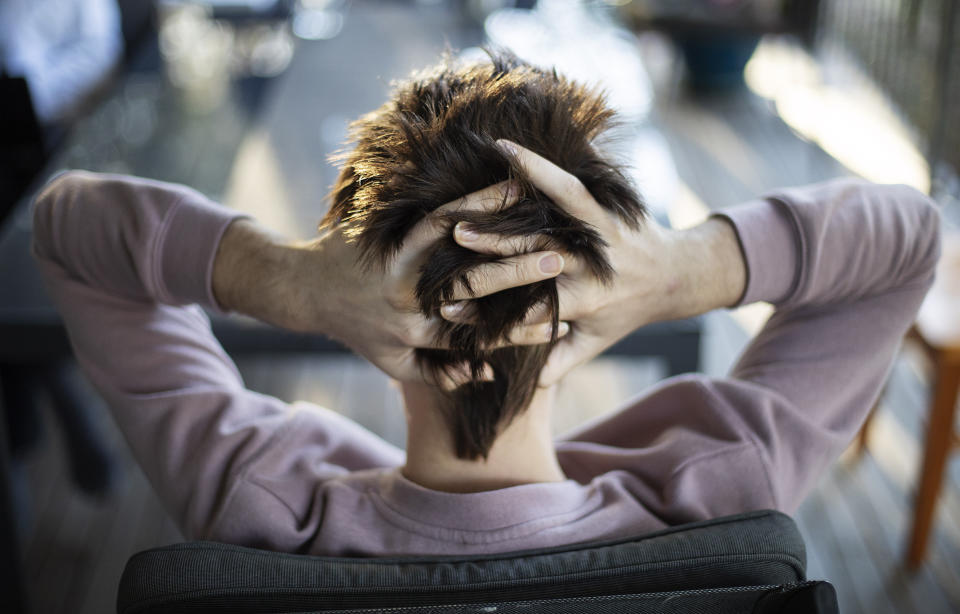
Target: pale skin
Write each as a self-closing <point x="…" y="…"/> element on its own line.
<point x="660" y="274"/>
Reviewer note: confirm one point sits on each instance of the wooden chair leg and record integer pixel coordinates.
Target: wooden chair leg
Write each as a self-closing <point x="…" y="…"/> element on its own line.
<point x="936" y="449"/>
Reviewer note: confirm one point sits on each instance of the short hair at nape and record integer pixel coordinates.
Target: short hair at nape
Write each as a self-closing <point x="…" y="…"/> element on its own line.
<point x="433" y="142"/>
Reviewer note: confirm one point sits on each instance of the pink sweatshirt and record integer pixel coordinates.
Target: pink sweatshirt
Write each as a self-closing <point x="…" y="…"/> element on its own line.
<point x="128" y="261"/>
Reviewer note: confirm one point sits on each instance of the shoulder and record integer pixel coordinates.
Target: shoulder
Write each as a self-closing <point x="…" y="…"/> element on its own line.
<point x="686" y="449"/>
<point x="676" y="408"/>
<point x="281" y="496"/>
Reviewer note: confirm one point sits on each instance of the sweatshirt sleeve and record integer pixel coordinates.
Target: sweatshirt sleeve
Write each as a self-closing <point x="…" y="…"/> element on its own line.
<point x="860" y="260"/>
<point x="128" y="262"/>
<point x="846" y="264"/>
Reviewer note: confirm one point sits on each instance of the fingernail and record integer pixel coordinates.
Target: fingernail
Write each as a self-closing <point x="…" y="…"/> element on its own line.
<point x="508" y="146"/>
<point x="451" y="309"/>
<point x="465" y="232"/>
<point x="551" y="264"/>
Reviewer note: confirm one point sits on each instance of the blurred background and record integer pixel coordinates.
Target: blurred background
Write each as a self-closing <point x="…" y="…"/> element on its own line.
<point x="245" y="100"/>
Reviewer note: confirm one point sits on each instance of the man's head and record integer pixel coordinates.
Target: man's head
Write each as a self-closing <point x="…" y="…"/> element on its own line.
<point x="435" y="141"/>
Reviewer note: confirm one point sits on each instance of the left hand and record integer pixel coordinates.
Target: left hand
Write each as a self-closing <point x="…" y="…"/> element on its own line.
<point x="659" y="274"/>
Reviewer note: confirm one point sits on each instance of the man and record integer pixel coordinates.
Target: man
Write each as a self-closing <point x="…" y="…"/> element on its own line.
<point x="845" y="263"/>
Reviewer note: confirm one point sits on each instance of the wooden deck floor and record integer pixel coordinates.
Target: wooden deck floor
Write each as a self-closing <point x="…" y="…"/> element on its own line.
<point x="727" y="149"/>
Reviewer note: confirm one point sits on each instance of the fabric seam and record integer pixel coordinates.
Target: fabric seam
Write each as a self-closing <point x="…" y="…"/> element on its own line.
<point x="750" y="442"/>
<point x="242" y="473"/>
<point x="156" y="252"/>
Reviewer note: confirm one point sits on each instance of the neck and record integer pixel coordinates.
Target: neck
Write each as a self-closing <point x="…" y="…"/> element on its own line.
<point x="523" y="453"/>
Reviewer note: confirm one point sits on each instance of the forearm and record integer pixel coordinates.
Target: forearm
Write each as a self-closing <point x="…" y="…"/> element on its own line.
<point x="256" y="273"/>
<point x="707" y="270"/>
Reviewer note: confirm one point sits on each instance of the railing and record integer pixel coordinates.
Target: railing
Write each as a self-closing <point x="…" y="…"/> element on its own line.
<point x="911" y="48"/>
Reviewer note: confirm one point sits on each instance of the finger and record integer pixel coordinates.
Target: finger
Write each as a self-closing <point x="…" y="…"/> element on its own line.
<point x="491" y="198"/>
<point x="434" y="225"/>
<point x="492" y="243"/>
<point x="531" y="335"/>
<point x="461" y="312"/>
<point x="538" y="314"/>
<point x="420" y="332"/>
<point x="464" y="312"/>
<point x="508" y="273"/>
<point x="560" y="186"/>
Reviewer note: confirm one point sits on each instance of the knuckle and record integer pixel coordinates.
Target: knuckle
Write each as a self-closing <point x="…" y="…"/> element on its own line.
<point x="507" y="246"/>
<point x="489" y="199"/>
<point x="479" y="279"/>
<point x="522" y="269"/>
<point x="460" y="291"/>
<point x="499" y="245"/>
<point x="516" y="336"/>
<point x="397" y="297"/>
<point x="410" y="336"/>
<point x="531" y="243"/>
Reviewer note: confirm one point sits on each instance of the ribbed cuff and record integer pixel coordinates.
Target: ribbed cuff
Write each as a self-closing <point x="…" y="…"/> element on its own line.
<point x="187" y="249"/>
<point x="771" y="247"/>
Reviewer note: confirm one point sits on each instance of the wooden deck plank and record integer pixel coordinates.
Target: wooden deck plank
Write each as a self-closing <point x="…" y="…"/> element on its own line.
<point x="100" y="595"/>
<point x="883" y="511"/>
<point x="818" y="532"/>
<point x="852" y="533"/>
<point x="816" y="568"/>
<point x="46" y="470"/>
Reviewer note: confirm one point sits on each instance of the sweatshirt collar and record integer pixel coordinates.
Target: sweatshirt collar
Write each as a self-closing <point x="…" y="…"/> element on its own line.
<point x="534" y="506"/>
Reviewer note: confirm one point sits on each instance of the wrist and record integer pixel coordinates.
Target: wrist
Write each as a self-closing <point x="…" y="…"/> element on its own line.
<point x="253" y="272"/>
<point x="708" y="269"/>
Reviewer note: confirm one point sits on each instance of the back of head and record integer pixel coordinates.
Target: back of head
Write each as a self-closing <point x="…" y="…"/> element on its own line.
<point x="433" y="142"/>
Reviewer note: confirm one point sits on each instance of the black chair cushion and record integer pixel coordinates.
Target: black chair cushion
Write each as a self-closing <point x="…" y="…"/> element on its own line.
<point x="747" y="558"/>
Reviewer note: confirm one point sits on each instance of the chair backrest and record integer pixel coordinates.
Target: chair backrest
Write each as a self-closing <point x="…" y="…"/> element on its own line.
<point x="752" y="562"/>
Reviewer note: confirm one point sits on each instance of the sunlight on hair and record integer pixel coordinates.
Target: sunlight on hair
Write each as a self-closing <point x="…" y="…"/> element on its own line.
<point x="850" y="120"/>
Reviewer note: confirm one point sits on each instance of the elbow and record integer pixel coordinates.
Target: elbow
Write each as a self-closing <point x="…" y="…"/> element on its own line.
<point x="927" y="246"/>
<point x="48" y="208"/>
<point x="916" y="226"/>
<point x="60" y="187"/>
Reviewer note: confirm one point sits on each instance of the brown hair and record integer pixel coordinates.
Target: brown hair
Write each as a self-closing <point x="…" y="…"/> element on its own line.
<point x="433" y="142"/>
